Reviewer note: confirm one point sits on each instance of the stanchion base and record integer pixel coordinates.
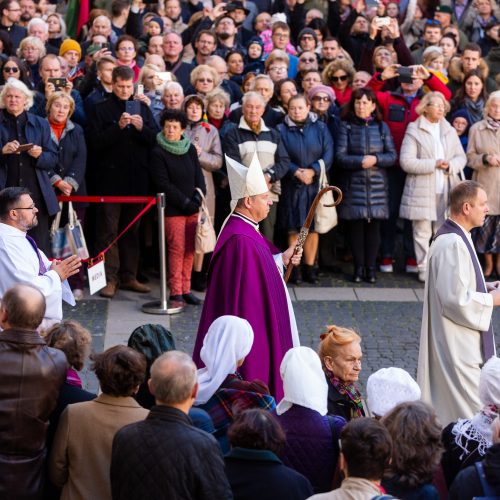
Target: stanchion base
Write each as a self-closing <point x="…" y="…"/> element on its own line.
<point x="155" y="307"/>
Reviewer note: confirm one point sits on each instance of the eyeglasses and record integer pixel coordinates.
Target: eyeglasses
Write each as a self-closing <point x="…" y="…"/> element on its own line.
<point x="205" y="80"/>
<point x="31" y="207"/>
<point x="126" y="49"/>
<point x="341" y="78"/>
<point x="320" y="98"/>
<point x="11" y="69"/>
<point x="307" y="37"/>
<point x="282" y="36"/>
<point x="436" y="105"/>
<point x="307" y="59"/>
<point x="277" y="69"/>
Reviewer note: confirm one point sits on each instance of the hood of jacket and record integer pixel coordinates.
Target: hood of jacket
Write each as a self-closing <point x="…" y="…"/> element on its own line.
<point x="456" y="72"/>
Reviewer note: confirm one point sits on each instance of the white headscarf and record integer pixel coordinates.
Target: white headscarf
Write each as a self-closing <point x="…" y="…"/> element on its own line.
<point x="228" y="340"/>
<point x="304" y="381"/>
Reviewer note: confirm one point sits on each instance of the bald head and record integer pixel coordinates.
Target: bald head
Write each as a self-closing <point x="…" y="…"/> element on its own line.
<point x="173" y="379"/>
<point x="23" y="306"/>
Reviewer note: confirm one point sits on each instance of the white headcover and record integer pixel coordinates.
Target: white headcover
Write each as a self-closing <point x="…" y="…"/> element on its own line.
<point x="228" y="340"/>
<point x="245" y="181"/>
<point x="304" y="381"/>
<point x="388" y="387"/>
<point x="489" y="382"/>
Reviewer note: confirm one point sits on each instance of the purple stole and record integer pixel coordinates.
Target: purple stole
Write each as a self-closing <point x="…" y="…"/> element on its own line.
<point x="487" y="337"/>
<point x="41" y="266"/>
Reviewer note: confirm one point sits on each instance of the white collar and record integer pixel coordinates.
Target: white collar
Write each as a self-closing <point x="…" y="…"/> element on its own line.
<point x="7" y="229"/>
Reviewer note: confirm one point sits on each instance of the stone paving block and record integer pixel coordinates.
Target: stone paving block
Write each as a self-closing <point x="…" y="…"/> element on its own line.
<point x="313" y="293"/>
<point x="386" y="294"/>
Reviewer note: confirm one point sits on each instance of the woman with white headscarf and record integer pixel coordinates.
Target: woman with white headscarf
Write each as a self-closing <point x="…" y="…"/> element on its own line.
<point x="222" y="391"/>
<point x="312" y="436"/>
<point x="467" y="441"/>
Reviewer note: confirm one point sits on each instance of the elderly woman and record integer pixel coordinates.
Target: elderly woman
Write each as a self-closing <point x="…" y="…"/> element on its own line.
<point x="206" y="141"/>
<point x="253" y="466"/>
<point x="467" y="440"/>
<point x="311" y="78"/>
<point x="18" y="127"/>
<point x="204" y="79"/>
<point x="339" y="74"/>
<point x="472" y="96"/>
<point x="433" y="159"/>
<point x="79" y="452"/>
<point x="310" y="148"/>
<point x="340" y="354"/>
<point x="322" y="99"/>
<point x="31" y="49"/>
<point x="221" y="389"/>
<point x="312" y="436"/>
<point x="68" y="176"/>
<point x="483" y="155"/>
<point x="365" y="149"/>
<point x="416" y="451"/>
<point x="173" y="95"/>
<point x="217" y="104"/>
<point x="176" y="171"/>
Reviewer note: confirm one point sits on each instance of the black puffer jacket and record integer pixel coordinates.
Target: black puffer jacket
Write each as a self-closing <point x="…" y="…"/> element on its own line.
<point x="365" y="190"/>
<point x="165" y="458"/>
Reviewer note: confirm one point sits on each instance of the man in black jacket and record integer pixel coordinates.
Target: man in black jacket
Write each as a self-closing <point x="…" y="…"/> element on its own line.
<point x="120" y="141"/>
<point x="165" y="456"/>
<point x="10" y="11"/>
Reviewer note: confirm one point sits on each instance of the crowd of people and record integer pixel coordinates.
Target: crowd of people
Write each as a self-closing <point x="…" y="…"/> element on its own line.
<point x="162" y="428"/>
<point x="395" y="102"/>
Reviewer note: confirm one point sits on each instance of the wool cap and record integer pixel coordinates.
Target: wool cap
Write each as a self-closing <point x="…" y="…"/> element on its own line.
<point x="70" y="44"/>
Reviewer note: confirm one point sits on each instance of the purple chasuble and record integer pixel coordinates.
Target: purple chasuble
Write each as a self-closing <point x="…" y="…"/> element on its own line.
<point x="244" y="281"/>
<point x="487" y="337"/>
<point x="41" y="266"/>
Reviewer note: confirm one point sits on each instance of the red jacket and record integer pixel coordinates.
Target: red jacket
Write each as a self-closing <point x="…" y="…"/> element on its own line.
<point x="395" y="108"/>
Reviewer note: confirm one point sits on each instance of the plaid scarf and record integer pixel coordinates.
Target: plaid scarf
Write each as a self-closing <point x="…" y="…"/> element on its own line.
<point x="492" y="123"/>
<point x="347" y="389"/>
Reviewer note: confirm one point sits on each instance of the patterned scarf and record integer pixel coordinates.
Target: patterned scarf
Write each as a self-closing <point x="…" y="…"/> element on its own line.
<point x="175" y="147"/>
<point x="492" y="123"/>
<point x="347" y="389"/>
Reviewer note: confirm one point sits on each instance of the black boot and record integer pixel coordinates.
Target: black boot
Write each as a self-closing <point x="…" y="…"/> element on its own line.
<point x="296" y="276"/>
<point x="370" y="275"/>
<point x="310" y="275"/>
<point x="359" y="273"/>
<point x="198" y="281"/>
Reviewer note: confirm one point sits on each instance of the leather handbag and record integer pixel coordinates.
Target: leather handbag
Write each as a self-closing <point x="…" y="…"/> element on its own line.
<point x="325" y="218"/>
<point x="205" y="237"/>
<point x="68" y="240"/>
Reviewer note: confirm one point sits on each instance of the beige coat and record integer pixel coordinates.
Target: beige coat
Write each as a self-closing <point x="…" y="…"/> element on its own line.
<point x="450" y="341"/>
<point x="207" y="137"/>
<point x="484" y="140"/>
<point x="81" y="454"/>
<point x="418" y="160"/>
<point x="352" y="488"/>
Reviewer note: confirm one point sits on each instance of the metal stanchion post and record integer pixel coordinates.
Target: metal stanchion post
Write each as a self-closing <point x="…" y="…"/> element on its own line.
<point x="161" y="306"/>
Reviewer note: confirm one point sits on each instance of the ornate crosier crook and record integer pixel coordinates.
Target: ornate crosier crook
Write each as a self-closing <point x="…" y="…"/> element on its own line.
<point x="304" y="231"/>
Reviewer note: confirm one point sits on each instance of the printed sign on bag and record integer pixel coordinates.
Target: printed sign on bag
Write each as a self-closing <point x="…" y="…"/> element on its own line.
<point x="97" y="277"/>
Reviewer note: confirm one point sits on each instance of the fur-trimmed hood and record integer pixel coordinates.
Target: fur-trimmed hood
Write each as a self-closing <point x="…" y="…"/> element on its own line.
<point x="456" y="72"/>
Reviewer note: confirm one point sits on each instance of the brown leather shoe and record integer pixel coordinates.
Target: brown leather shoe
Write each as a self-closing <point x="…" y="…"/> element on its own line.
<point x="135" y="286"/>
<point x="109" y="290"/>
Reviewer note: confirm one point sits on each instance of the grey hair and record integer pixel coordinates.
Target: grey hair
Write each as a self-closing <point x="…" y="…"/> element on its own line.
<point x="12" y="83"/>
<point x="173" y="86"/>
<point x="266" y="78"/>
<point x="252" y="94"/>
<point x="36" y="21"/>
<point x="31" y="40"/>
<point x="173" y="377"/>
<point x="494" y="96"/>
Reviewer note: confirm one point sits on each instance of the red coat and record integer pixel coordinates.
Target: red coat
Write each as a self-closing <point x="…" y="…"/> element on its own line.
<point x="395" y="108"/>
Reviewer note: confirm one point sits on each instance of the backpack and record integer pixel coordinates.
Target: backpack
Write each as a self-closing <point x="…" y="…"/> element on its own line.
<point x="487" y="489"/>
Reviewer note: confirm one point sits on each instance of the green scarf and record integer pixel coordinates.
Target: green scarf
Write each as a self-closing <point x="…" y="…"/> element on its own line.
<point x="175" y="147"/>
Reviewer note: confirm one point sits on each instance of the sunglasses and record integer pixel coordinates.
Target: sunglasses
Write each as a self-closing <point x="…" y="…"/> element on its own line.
<point x="11" y="69"/>
<point x="432" y="22"/>
<point x="307" y="59"/>
<point x="205" y="80"/>
<point x="342" y="78"/>
<point x="319" y="98"/>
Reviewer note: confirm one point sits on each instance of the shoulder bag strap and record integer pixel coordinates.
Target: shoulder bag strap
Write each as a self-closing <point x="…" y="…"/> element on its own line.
<point x="57" y="220"/>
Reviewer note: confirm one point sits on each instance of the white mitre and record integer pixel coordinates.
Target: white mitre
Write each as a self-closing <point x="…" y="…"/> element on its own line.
<point x="245" y="181"/>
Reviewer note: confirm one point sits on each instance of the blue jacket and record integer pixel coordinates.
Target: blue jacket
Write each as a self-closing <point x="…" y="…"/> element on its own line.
<point x="38" y="133"/>
<point x="365" y="190"/>
<point x="305" y="146"/>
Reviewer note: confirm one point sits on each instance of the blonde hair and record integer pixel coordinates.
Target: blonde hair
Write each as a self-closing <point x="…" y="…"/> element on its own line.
<point x="494" y="96"/>
<point x="277" y="55"/>
<point x="31" y="40"/>
<point x="204" y="68"/>
<point x="335" y="337"/>
<point x="60" y="95"/>
<point x="334" y="66"/>
<point x="428" y="98"/>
